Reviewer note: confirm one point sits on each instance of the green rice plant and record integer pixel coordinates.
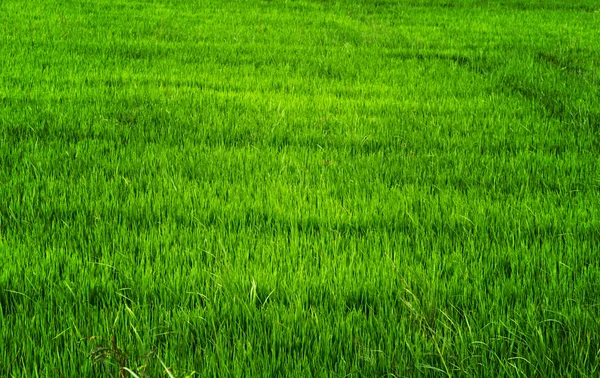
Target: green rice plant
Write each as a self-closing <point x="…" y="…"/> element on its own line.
<point x="299" y="188"/>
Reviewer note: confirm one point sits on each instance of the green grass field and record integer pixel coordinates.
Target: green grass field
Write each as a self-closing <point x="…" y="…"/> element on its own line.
<point x="369" y="188"/>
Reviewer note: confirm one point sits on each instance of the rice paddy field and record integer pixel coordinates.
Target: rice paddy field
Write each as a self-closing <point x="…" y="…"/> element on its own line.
<point x="300" y="188"/>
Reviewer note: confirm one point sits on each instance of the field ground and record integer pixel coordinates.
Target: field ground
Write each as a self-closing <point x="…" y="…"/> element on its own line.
<point x="299" y="188"/>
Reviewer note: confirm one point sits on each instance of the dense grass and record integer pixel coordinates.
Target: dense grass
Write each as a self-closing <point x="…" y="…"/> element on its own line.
<point x="300" y="188"/>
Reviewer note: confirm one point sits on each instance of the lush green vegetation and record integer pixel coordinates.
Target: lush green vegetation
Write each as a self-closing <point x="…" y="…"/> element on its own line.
<point x="299" y="188"/>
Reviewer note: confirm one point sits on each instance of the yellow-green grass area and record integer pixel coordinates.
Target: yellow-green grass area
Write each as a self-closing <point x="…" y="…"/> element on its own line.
<point x="299" y="188"/>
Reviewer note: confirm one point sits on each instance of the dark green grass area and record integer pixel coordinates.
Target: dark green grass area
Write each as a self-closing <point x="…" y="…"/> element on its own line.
<point x="299" y="188"/>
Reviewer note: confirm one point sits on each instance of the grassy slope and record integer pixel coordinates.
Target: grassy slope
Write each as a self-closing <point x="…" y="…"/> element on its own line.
<point x="296" y="188"/>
